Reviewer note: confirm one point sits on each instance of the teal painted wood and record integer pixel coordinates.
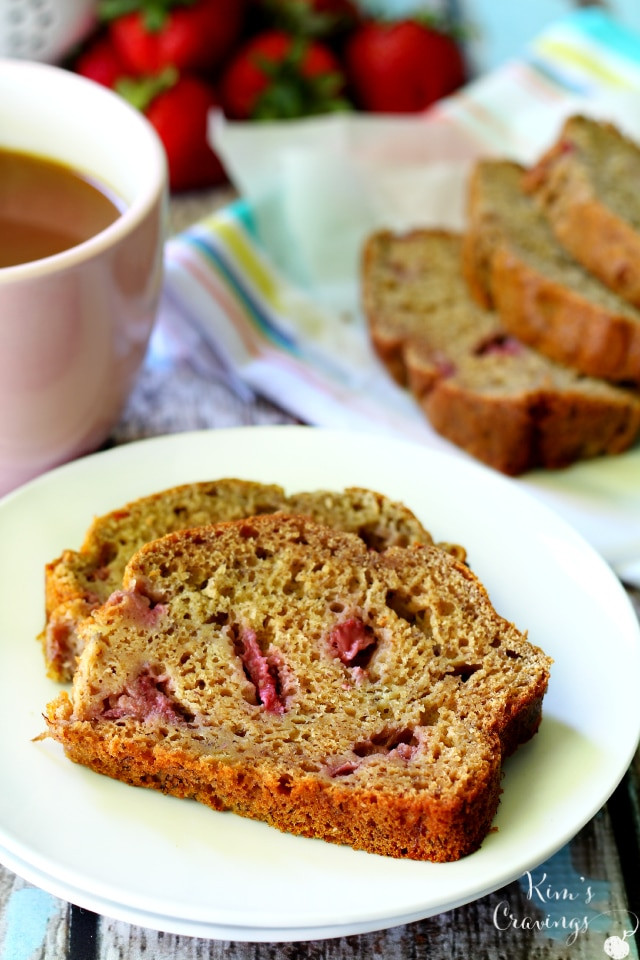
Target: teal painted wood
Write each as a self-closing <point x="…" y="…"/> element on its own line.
<point x="32" y="922"/>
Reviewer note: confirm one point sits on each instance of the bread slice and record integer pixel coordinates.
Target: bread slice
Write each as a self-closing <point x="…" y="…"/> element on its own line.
<point x="78" y="581"/>
<point x="544" y="297"/>
<point x="405" y="278"/>
<point x="279" y="669"/>
<point x="587" y="185"/>
<point x="487" y="392"/>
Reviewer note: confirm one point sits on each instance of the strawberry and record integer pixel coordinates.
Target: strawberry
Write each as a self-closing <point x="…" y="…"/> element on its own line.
<point x="277" y="76"/>
<point x="401" y="67"/>
<point x="100" y="61"/>
<point x="178" y="107"/>
<point x="192" y="35"/>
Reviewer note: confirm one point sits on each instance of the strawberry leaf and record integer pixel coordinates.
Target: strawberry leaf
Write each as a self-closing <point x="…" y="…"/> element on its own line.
<point x="293" y="93"/>
<point x="153" y="12"/>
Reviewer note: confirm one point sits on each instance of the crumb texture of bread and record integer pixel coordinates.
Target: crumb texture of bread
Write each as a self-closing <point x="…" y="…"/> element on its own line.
<point x="280" y="669"/>
<point x="79" y="580"/>
<point x="586" y="184"/>
<point x="500" y="400"/>
<point x="543" y="295"/>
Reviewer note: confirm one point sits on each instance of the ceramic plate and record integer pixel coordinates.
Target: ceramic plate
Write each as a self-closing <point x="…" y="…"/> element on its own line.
<point x="177" y="866"/>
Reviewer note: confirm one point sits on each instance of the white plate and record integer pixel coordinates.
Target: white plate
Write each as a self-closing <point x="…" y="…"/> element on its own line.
<point x="178" y="866"/>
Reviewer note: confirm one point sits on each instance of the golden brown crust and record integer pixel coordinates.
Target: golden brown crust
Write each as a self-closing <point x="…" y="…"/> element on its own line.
<point x="394" y="748"/>
<point x="543" y="296"/>
<point x="301" y="805"/>
<point x="390" y="350"/>
<point x="497" y="430"/>
<point x="545" y="428"/>
<point x="564" y="183"/>
<point x="563" y="325"/>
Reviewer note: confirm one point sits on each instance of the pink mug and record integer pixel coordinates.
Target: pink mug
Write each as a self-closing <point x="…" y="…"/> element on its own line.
<point x="74" y="326"/>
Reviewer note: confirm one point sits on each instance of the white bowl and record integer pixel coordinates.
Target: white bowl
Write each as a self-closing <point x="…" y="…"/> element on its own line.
<point x="74" y="327"/>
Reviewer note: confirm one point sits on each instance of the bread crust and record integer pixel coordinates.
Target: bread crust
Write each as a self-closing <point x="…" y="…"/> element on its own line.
<point x="561" y="324"/>
<point x="399" y="754"/>
<point x="540" y="428"/>
<point x="582" y="219"/>
<point x="596" y="337"/>
<point x="302" y="805"/>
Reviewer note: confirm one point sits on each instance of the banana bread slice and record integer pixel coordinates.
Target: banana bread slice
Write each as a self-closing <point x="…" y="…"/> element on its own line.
<point x="587" y="185"/>
<point x="80" y="580"/>
<point x="479" y="386"/>
<point x="279" y="669"/>
<point x="544" y="297"/>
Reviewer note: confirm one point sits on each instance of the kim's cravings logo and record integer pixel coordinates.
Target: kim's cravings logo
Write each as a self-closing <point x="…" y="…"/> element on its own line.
<point x="559" y="911"/>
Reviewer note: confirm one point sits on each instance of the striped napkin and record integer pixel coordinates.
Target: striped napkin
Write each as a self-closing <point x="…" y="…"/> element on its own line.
<point x="268" y="287"/>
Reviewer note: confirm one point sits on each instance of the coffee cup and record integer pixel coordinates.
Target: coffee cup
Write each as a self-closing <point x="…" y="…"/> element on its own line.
<point x="74" y="325"/>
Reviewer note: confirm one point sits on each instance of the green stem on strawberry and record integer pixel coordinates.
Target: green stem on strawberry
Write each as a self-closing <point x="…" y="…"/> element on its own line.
<point x="154" y="12"/>
<point x="141" y="91"/>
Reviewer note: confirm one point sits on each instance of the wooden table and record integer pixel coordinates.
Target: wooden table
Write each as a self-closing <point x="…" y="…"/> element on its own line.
<point x="569" y="907"/>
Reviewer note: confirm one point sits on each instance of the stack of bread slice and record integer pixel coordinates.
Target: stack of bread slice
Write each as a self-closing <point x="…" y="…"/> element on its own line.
<point x="521" y="338"/>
